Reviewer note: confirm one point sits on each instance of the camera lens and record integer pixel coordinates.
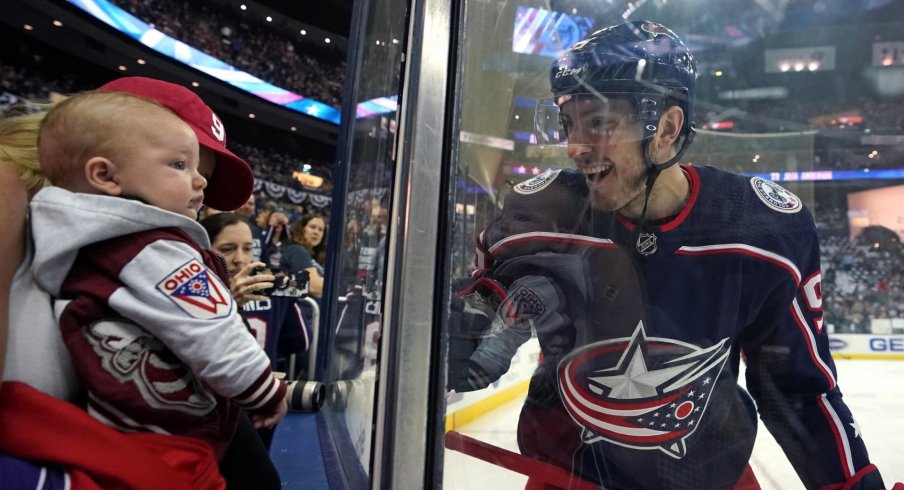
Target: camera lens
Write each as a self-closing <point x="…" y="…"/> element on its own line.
<point x="305" y="396"/>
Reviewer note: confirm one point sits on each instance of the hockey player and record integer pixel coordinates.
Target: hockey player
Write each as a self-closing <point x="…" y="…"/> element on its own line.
<point x="729" y="267"/>
<point x="152" y="329"/>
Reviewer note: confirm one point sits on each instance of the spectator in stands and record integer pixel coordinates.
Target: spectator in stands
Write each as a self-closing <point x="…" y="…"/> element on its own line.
<point x="274" y="226"/>
<point x="307" y="250"/>
<point x="272" y="316"/>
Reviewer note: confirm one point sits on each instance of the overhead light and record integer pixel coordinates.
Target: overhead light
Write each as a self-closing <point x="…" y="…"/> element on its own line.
<point x="195" y="84"/>
<point x="326" y="40"/>
<point x="269" y="19"/>
<point x="378" y="42"/>
<point x="304" y="32"/>
<point x="122" y="68"/>
<point x="395" y="41"/>
<point x="243" y="7"/>
<point x="293" y="128"/>
<point x="251" y="115"/>
<point x="28" y="27"/>
<point x="57" y="23"/>
<point x="141" y="61"/>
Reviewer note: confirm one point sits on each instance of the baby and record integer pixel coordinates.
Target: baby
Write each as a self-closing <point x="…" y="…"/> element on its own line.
<point x="142" y="305"/>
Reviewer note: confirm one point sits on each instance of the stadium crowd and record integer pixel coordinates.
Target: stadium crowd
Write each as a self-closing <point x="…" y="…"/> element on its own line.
<point x="22" y="84"/>
<point x="264" y="52"/>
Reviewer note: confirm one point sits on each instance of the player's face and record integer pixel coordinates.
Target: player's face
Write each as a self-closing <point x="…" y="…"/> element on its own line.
<point x="235" y="244"/>
<point x="604" y="141"/>
<point x="158" y="163"/>
<point x="313" y="232"/>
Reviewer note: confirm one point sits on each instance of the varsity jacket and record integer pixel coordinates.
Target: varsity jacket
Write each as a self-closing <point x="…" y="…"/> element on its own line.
<point x="147" y="317"/>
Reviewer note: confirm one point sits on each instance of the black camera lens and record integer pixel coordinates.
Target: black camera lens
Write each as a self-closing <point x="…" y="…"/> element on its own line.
<point x="305" y="396"/>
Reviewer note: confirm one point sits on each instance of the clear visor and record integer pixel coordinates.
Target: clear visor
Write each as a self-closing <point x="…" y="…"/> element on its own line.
<point x="591" y="119"/>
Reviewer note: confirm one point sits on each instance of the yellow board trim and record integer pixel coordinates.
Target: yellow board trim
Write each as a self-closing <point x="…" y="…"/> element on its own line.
<point x="881" y="357"/>
<point x="470" y="413"/>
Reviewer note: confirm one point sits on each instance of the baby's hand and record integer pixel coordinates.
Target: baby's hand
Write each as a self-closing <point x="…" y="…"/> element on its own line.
<point x="262" y="421"/>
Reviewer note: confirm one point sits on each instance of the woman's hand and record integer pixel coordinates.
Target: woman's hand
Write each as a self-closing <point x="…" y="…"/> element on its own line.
<point x="245" y="286"/>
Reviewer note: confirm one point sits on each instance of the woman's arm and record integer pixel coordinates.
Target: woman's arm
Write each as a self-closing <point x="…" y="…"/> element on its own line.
<point x="13" y="206"/>
<point x="315" y="282"/>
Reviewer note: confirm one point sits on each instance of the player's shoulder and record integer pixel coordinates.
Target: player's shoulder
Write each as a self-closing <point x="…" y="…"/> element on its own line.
<point x="755" y="195"/>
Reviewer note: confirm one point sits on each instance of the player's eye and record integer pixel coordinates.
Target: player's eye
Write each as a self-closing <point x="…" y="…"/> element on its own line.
<point x="226" y="249"/>
<point x="566" y="125"/>
<point x="179" y="165"/>
<point x="602" y="126"/>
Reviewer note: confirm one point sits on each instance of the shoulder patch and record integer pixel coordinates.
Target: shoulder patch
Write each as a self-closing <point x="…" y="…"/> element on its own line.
<point x="538" y="183"/>
<point x="197" y="291"/>
<point x="776" y="196"/>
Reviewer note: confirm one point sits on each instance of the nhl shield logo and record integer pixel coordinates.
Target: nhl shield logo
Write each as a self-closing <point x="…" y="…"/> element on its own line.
<point x="197" y="291"/>
<point x="646" y="244"/>
<point x="641" y="392"/>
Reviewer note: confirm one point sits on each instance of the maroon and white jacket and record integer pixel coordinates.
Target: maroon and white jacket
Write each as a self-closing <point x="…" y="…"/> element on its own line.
<point x="146" y="315"/>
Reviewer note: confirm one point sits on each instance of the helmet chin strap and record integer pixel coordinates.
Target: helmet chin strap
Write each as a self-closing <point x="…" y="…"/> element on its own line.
<point x="641" y="245"/>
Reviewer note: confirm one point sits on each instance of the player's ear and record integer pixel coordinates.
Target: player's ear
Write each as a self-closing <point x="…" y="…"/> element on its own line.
<point x="670" y="123"/>
<point x="101" y="175"/>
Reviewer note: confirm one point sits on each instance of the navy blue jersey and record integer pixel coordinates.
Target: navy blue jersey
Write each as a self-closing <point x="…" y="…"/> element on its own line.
<point x="642" y="392"/>
<point x="279" y="325"/>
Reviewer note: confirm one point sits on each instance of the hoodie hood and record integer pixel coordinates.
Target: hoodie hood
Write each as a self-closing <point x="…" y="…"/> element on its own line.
<point x="62" y="222"/>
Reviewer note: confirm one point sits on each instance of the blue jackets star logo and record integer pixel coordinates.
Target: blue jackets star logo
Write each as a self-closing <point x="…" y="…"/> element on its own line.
<point x="653" y="395"/>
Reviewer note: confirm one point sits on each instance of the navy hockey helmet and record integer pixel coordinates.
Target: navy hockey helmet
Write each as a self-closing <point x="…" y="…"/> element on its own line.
<point x="642" y="60"/>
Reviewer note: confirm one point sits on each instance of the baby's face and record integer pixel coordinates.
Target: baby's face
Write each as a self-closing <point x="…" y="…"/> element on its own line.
<point x="157" y="160"/>
<point x="522" y="214"/>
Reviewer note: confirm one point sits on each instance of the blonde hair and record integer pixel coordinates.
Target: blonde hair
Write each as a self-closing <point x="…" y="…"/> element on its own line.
<point x="19" y="147"/>
<point x="86" y="125"/>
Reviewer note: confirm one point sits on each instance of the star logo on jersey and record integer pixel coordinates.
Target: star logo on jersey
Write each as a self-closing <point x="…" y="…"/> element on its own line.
<point x="196" y="291"/>
<point x="641" y="392"/>
<point x="776" y="196"/>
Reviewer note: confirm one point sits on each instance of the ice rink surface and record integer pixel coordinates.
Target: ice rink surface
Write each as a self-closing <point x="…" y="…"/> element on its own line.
<point x="874" y="390"/>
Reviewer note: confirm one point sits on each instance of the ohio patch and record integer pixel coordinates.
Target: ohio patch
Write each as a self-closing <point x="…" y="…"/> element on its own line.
<point x="196" y="291"/>
<point x="776" y="196"/>
<point x="538" y="183"/>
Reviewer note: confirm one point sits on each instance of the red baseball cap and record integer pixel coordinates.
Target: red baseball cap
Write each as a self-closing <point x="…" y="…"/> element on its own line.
<point x="232" y="181"/>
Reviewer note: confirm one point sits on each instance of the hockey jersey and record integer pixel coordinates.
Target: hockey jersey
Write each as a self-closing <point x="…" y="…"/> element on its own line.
<point x="645" y="395"/>
<point x="151" y="327"/>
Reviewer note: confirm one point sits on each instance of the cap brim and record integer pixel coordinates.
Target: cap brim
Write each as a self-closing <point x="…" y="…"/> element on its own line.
<point x="232" y="181"/>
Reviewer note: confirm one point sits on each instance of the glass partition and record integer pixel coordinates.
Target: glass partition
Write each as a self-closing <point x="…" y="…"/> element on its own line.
<point x="593" y="340"/>
<point x="357" y="281"/>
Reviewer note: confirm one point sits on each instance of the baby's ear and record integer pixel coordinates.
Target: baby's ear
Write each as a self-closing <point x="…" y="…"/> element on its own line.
<point x="101" y="173"/>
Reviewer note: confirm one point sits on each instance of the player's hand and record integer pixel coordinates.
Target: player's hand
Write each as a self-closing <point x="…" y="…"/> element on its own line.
<point x="245" y="287"/>
<point x="270" y="421"/>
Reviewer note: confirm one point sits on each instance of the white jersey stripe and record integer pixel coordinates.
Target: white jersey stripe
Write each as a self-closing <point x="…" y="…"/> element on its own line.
<point x="842" y="436"/>
<point x="811" y="343"/>
<point x="747" y="250"/>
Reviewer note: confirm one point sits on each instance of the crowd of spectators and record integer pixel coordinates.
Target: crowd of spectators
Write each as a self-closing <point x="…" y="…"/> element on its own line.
<point x="862" y="277"/>
<point x="280" y="59"/>
<point x="24" y="83"/>
<point x="877" y="115"/>
<point x="278" y="167"/>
